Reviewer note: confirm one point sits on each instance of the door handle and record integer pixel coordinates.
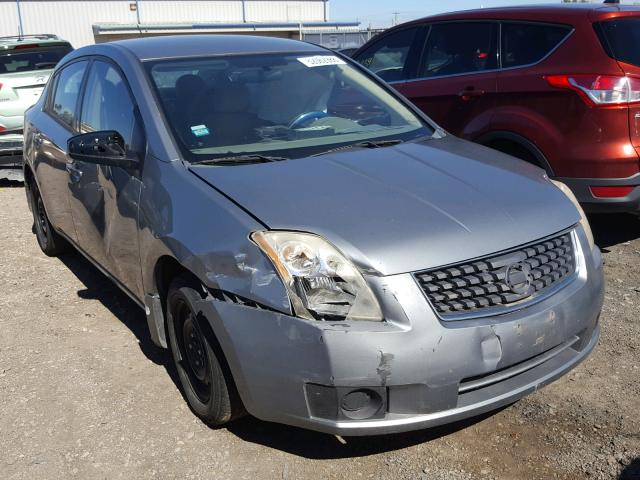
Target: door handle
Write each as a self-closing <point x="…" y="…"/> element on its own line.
<point x="74" y="172"/>
<point x="470" y="92"/>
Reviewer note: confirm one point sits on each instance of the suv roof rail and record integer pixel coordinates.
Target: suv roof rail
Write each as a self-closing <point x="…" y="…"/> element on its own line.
<point x="612" y="1"/>
<point x="22" y="37"/>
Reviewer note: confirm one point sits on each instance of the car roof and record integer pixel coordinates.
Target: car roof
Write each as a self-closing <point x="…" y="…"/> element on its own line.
<point x="177" y="46"/>
<point x="42" y="40"/>
<point x="559" y="11"/>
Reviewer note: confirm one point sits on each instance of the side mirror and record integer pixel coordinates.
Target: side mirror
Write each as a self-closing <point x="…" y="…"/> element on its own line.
<point x="105" y="147"/>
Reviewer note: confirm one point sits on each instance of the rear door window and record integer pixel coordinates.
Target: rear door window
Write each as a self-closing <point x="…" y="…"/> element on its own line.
<point x="527" y="43"/>
<point x="620" y="39"/>
<point x="389" y="57"/>
<point x="67" y="91"/>
<point x="455" y="48"/>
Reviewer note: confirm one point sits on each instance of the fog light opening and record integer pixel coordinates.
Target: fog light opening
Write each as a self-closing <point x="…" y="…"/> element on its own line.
<point x="361" y="404"/>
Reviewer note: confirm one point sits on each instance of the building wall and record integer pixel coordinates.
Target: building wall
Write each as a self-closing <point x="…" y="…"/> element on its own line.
<point x="73" y="19"/>
<point x="337" y="40"/>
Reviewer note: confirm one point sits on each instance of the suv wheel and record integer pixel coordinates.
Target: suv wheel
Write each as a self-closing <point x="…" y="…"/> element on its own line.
<point x="202" y="369"/>
<point x="50" y="242"/>
<point x="515" y="150"/>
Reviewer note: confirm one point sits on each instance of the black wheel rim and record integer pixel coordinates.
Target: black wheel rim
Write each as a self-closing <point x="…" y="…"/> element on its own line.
<point x="42" y="219"/>
<point x="193" y="355"/>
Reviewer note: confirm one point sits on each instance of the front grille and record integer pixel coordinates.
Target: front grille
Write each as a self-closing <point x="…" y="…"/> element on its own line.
<point x="501" y="280"/>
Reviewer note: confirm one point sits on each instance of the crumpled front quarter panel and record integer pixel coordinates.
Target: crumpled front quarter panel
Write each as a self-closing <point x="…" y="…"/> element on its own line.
<point x="184" y="218"/>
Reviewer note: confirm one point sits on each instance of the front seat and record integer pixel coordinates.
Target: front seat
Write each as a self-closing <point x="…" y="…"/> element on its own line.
<point x="229" y="120"/>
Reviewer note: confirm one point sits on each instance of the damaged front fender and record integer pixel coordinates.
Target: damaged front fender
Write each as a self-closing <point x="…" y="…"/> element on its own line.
<point x="185" y="222"/>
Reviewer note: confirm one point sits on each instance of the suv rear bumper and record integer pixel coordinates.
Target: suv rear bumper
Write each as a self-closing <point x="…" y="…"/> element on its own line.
<point x="591" y="203"/>
<point x="11" y="157"/>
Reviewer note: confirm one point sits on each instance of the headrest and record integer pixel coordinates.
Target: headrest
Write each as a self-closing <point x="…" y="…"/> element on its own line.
<point x="189" y="85"/>
<point x="231" y="98"/>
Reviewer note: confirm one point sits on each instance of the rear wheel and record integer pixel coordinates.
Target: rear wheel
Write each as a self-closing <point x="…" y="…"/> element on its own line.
<point x="50" y="241"/>
<point x="202" y="369"/>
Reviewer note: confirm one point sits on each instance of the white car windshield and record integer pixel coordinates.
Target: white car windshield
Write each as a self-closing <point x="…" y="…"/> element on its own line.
<point x="286" y="105"/>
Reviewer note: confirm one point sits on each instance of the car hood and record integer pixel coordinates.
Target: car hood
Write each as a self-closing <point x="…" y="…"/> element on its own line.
<point x="404" y="208"/>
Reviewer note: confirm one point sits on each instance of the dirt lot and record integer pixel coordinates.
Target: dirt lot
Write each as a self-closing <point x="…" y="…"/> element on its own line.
<point x="85" y="394"/>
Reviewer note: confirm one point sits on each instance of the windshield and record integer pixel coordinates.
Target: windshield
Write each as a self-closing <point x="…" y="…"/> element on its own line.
<point x="284" y="105"/>
<point x="31" y="59"/>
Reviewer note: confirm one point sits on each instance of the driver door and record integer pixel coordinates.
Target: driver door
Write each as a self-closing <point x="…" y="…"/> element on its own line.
<point x="104" y="198"/>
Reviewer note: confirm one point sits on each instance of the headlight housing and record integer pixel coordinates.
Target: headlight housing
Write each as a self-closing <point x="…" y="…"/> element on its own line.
<point x="321" y="282"/>
<point x="583" y="218"/>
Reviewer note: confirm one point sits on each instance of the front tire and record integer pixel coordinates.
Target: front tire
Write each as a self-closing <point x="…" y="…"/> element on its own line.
<point x="50" y="241"/>
<point x="203" y="372"/>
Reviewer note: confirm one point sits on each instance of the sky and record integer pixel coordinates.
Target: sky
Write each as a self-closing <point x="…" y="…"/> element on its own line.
<point x="382" y="13"/>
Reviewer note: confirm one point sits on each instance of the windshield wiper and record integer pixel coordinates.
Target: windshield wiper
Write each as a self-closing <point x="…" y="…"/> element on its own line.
<point x="365" y="144"/>
<point x="239" y="160"/>
<point x="378" y="143"/>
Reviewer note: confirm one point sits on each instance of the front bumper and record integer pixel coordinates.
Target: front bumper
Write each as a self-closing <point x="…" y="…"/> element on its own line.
<point x="425" y="371"/>
<point x="11" y="161"/>
<point x="629" y="203"/>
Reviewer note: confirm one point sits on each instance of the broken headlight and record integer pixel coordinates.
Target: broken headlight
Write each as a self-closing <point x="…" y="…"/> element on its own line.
<point x="321" y="282"/>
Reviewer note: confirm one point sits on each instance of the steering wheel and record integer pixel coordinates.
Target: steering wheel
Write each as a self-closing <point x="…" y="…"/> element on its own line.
<point x="305" y="118"/>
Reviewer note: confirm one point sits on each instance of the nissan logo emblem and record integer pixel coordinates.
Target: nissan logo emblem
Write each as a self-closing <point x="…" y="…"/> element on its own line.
<point x="519" y="279"/>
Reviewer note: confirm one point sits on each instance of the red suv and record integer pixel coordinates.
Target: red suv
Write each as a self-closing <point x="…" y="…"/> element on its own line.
<point x="558" y="86"/>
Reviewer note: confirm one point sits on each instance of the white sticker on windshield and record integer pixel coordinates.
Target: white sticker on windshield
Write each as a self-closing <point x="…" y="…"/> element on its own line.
<point x="321" y="60"/>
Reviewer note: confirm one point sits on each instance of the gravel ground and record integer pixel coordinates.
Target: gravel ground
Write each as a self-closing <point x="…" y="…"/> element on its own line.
<point x="85" y="394"/>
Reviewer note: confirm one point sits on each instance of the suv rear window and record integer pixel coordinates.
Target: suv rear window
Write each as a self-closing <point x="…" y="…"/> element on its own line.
<point x="27" y="59"/>
<point x="620" y="38"/>
<point x="527" y="43"/>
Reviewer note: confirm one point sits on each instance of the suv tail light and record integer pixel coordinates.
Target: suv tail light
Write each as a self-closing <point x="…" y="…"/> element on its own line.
<point x="2" y="128"/>
<point x="600" y="90"/>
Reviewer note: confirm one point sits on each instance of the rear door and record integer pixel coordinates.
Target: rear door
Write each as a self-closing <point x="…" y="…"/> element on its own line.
<point x="456" y="79"/>
<point x="50" y="137"/>
<point x="620" y="38"/>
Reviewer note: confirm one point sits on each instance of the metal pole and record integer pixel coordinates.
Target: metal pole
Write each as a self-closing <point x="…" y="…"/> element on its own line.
<point x="244" y="13"/>
<point x="20" y="29"/>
